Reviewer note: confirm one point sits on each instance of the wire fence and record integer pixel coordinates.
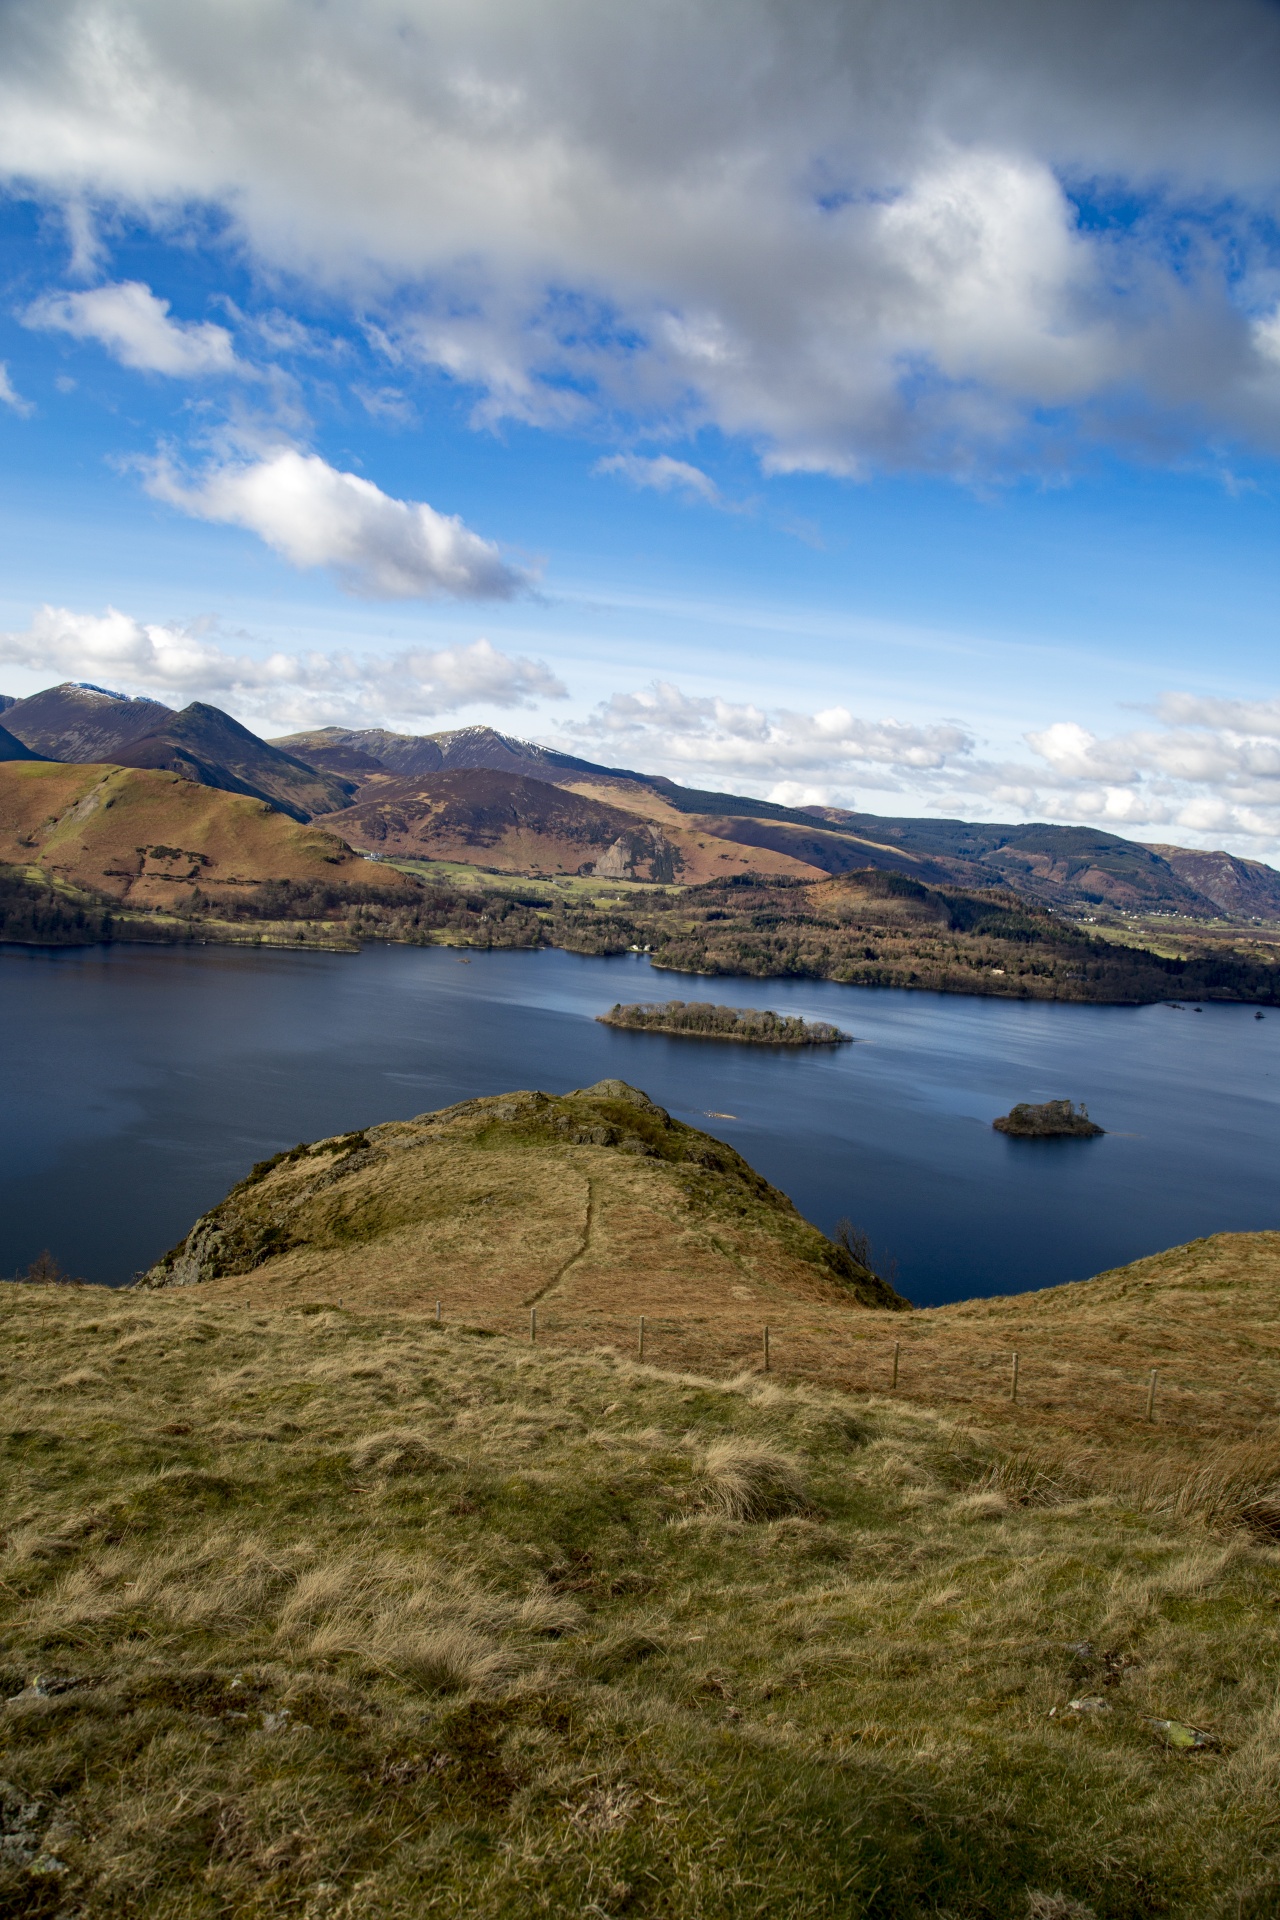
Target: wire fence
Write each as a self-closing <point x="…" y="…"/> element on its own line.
<point x="1044" y="1379"/>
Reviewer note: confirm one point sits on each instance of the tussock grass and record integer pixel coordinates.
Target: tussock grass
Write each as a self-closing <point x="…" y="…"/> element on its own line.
<point x="746" y="1482"/>
<point x="394" y="1453"/>
<point x="339" y="1616"/>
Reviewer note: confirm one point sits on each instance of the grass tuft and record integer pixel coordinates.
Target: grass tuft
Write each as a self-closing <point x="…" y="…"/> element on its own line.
<point x="746" y="1482"/>
<point x="395" y="1453"/>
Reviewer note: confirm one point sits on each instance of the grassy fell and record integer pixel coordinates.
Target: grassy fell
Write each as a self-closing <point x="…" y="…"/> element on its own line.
<point x="343" y="1615"/>
<point x="582" y="1204"/>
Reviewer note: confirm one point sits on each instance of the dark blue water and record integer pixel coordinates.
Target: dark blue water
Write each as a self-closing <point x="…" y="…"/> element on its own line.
<point x="137" y="1084"/>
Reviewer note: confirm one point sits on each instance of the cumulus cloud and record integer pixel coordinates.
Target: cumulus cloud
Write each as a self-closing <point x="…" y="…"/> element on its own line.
<point x="183" y="663"/>
<point x="714" y="737"/>
<point x="663" y="474"/>
<point x="892" y="232"/>
<point x="317" y="516"/>
<point x="134" y="326"/>
<point x="9" y="395"/>
<point x="1207" y="772"/>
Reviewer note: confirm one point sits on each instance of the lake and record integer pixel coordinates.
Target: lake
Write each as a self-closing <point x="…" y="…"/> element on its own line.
<point x="137" y="1084"/>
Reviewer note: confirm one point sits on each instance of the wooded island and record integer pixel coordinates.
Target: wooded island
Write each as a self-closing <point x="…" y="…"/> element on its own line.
<point x="1054" y="1120"/>
<point x="701" y="1020"/>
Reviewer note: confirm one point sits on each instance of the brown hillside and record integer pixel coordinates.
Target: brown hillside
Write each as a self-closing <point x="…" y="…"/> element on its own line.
<point x="514" y="824"/>
<point x="593" y="1204"/>
<point x="597" y="1207"/>
<point x="1245" y="889"/>
<point x="147" y="838"/>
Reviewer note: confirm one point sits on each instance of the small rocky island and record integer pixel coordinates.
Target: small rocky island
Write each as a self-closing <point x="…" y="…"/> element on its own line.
<point x="1055" y="1120"/>
<point x="700" y="1020"/>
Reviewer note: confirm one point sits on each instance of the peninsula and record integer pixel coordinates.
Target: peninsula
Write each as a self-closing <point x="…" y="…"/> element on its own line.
<point x="703" y="1020"/>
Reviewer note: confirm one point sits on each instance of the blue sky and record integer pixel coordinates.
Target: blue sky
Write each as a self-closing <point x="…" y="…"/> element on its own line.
<point x="798" y="403"/>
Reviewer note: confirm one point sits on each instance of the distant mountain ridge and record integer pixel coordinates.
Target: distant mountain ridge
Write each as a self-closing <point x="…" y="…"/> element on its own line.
<point x="11" y="748"/>
<point x="463" y="748"/>
<point x="1069" y="868"/>
<point x="85" y="725"/>
<point x="426" y="796"/>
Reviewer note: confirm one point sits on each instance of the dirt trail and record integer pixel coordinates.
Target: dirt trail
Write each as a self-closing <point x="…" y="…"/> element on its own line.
<point x="588" y="1220"/>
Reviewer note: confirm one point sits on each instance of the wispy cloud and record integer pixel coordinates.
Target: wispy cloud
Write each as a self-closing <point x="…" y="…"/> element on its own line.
<point x="318" y="516"/>
<point x="1207" y="771"/>
<point x="1211" y="767"/>
<point x="711" y="735"/>
<point x="10" y="397"/>
<point x="662" y="474"/>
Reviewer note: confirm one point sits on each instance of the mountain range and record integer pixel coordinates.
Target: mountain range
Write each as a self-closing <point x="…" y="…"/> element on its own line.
<point x="476" y="796"/>
<point x="434" y="796"/>
<point x="88" y="725"/>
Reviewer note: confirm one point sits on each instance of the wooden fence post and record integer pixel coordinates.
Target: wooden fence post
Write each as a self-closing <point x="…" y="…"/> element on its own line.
<point x="897" y="1349"/>
<point x="437" y="1313"/>
<point x="766" y="1349"/>
<point x="1151" y="1394"/>
<point x="641" y="1352"/>
<point x="533" y="1325"/>
<point x="1013" y="1386"/>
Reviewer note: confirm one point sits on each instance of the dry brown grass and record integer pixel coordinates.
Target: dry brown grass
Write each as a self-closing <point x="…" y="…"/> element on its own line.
<point x="747" y="1482"/>
<point x="393" y="1453"/>
<point x="492" y="1216"/>
<point x="633" y="1641"/>
<point x="577" y="1205"/>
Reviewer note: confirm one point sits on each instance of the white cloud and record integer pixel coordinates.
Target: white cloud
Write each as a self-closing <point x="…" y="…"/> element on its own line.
<point x="183" y="663"/>
<point x="134" y="326"/>
<point x="712" y="737"/>
<point x="797" y="793"/>
<point x="663" y="474"/>
<point x="1252" y="718"/>
<point x="845" y="232"/>
<point x="9" y="395"/>
<point x="1207" y="771"/>
<point x="1076" y="754"/>
<point x="317" y="516"/>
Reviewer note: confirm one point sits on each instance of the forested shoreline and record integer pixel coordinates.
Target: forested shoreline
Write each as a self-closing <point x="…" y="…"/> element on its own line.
<point x="872" y="929"/>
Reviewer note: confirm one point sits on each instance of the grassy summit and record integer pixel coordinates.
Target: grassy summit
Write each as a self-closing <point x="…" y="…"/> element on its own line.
<point x="579" y="1204"/>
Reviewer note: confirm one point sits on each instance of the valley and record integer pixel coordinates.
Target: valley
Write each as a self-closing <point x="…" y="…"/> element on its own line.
<point x="136" y="822"/>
